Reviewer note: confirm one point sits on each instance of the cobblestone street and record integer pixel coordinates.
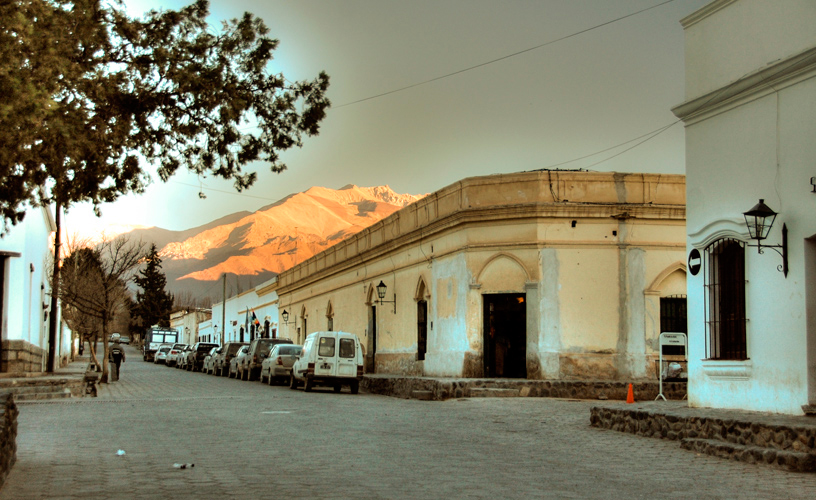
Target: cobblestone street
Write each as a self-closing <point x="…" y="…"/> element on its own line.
<point x="249" y="440"/>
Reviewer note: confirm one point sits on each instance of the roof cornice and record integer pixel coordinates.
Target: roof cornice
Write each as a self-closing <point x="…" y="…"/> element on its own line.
<point x="771" y="78"/>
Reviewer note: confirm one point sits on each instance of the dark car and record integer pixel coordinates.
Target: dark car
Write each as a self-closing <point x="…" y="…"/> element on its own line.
<point x="195" y="360"/>
<point x="221" y="363"/>
<point x="258" y="351"/>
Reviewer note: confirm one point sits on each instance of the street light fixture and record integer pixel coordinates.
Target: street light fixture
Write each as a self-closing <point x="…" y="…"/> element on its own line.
<point x="285" y="316"/>
<point x="759" y="220"/>
<point x="381" y="289"/>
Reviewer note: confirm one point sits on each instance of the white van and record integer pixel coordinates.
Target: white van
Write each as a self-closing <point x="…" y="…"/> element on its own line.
<point x="330" y="359"/>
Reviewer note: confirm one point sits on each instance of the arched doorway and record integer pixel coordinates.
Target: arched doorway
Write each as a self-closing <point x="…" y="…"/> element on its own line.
<point x="505" y="335"/>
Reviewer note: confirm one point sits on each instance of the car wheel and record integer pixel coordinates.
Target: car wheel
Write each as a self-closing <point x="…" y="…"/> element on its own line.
<point x="307" y="384"/>
<point x="338" y="388"/>
<point x="292" y="382"/>
<point x="355" y="387"/>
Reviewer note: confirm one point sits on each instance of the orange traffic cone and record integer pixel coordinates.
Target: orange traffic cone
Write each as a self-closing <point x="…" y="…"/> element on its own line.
<point x="630" y="396"/>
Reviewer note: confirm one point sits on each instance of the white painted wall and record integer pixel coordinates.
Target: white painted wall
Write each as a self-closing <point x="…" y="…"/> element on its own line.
<point x="27" y="278"/>
<point x="759" y="144"/>
<point x="264" y="304"/>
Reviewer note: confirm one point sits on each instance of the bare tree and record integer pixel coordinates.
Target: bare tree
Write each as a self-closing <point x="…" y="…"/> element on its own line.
<point x="94" y="286"/>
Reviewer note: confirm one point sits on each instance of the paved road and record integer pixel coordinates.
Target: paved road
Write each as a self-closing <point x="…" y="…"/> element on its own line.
<point x="249" y="440"/>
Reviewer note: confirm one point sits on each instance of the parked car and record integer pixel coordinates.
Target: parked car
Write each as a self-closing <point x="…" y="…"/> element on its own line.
<point x="221" y="365"/>
<point x="161" y="354"/>
<point x="172" y="356"/>
<point x="183" y="356"/>
<point x="236" y="360"/>
<point x="276" y="367"/>
<point x="250" y="368"/>
<point x="329" y="359"/>
<point x="207" y="367"/>
<point x="200" y="350"/>
<point x="124" y="339"/>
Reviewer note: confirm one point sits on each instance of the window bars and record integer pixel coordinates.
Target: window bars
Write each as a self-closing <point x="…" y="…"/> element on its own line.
<point x="725" y="300"/>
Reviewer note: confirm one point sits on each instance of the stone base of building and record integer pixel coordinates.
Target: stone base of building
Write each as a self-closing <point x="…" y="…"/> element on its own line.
<point x="764" y="439"/>
<point x="20" y="356"/>
<point x="446" y="388"/>
<point x="8" y="436"/>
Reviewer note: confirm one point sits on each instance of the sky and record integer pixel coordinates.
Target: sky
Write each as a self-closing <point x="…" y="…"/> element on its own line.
<point x="552" y="81"/>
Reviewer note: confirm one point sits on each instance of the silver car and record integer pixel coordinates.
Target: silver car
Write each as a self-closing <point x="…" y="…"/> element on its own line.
<point x="236" y="361"/>
<point x="278" y="365"/>
<point x="207" y="367"/>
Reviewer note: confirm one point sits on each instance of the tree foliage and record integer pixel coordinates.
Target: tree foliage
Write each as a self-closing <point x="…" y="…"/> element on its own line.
<point x="88" y="95"/>
<point x="94" y="287"/>
<point x="153" y="303"/>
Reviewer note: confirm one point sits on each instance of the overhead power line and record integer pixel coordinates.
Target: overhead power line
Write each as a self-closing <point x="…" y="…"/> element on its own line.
<point x="508" y="56"/>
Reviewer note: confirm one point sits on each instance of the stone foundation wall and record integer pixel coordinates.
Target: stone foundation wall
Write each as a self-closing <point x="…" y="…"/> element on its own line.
<point x="735" y="431"/>
<point x="576" y="389"/>
<point x="20" y="356"/>
<point x="8" y="436"/>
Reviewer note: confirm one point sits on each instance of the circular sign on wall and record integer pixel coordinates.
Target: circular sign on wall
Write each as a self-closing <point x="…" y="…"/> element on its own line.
<point x="694" y="262"/>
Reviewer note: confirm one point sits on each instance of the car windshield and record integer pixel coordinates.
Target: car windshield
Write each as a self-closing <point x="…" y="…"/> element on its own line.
<point x="233" y="348"/>
<point x="289" y="350"/>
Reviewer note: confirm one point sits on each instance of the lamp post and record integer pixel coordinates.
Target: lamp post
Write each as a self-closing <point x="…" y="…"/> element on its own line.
<point x="760" y="220"/>
<point x="381" y="289"/>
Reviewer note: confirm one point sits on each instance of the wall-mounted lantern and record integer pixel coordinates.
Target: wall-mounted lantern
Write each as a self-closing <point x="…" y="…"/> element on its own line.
<point x="760" y="219"/>
<point x="285" y="316"/>
<point x="381" y="289"/>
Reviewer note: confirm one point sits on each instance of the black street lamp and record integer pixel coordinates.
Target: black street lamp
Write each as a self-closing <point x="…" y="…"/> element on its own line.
<point x="381" y="288"/>
<point x="759" y="220"/>
<point x="285" y="316"/>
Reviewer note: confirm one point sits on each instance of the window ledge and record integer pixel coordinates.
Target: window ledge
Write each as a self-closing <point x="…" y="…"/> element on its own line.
<point x="727" y="369"/>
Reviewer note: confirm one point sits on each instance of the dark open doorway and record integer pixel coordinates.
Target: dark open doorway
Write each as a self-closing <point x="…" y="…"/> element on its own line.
<point x="505" y="335"/>
<point x="371" y="365"/>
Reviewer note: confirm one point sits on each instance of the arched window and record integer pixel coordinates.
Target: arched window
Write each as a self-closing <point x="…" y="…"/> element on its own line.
<point x="725" y="300"/>
<point x="422" y="320"/>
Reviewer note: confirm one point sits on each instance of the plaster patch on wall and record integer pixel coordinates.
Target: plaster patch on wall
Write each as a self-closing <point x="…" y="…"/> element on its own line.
<point x="549" y="315"/>
<point x="448" y="340"/>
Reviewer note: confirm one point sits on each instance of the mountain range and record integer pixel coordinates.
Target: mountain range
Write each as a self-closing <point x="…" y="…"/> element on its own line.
<point x="252" y="247"/>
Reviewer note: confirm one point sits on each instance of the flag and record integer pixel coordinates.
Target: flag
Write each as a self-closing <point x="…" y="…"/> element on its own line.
<point x="255" y="319"/>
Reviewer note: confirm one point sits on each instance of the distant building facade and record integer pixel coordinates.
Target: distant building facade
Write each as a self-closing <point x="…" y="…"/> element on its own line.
<point x="238" y="311"/>
<point x="750" y="115"/>
<point x="186" y="322"/>
<point x="538" y="275"/>
<point x="25" y="299"/>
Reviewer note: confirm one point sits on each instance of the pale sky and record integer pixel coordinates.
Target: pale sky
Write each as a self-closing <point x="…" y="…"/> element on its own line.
<point x="566" y="100"/>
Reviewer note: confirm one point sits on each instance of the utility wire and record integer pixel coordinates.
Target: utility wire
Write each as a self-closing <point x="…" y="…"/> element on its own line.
<point x="514" y="54"/>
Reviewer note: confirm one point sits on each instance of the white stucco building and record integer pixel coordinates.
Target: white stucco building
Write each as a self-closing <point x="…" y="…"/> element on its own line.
<point x="750" y="116"/>
<point x="24" y="293"/>
<point x="237" y="312"/>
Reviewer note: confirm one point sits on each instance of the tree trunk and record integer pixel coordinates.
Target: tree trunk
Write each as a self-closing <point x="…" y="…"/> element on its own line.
<point x="53" y="347"/>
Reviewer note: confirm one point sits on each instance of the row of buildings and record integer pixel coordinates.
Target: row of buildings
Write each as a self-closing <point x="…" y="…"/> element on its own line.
<point x="573" y="275"/>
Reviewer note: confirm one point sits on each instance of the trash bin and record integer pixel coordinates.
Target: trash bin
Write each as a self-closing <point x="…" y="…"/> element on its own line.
<point x="114" y="372"/>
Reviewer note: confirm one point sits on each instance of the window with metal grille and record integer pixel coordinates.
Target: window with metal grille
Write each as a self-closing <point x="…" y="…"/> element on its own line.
<point x="673" y="314"/>
<point x="725" y="300"/>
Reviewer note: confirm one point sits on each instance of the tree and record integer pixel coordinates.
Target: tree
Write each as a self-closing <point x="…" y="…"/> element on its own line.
<point x="94" y="287"/>
<point x="153" y="303"/>
<point x="86" y="93"/>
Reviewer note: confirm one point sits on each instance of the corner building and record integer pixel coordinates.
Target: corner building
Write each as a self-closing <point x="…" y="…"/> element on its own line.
<point x="538" y="275"/>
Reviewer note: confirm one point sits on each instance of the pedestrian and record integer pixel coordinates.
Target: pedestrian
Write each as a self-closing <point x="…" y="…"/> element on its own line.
<point x="116" y="355"/>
